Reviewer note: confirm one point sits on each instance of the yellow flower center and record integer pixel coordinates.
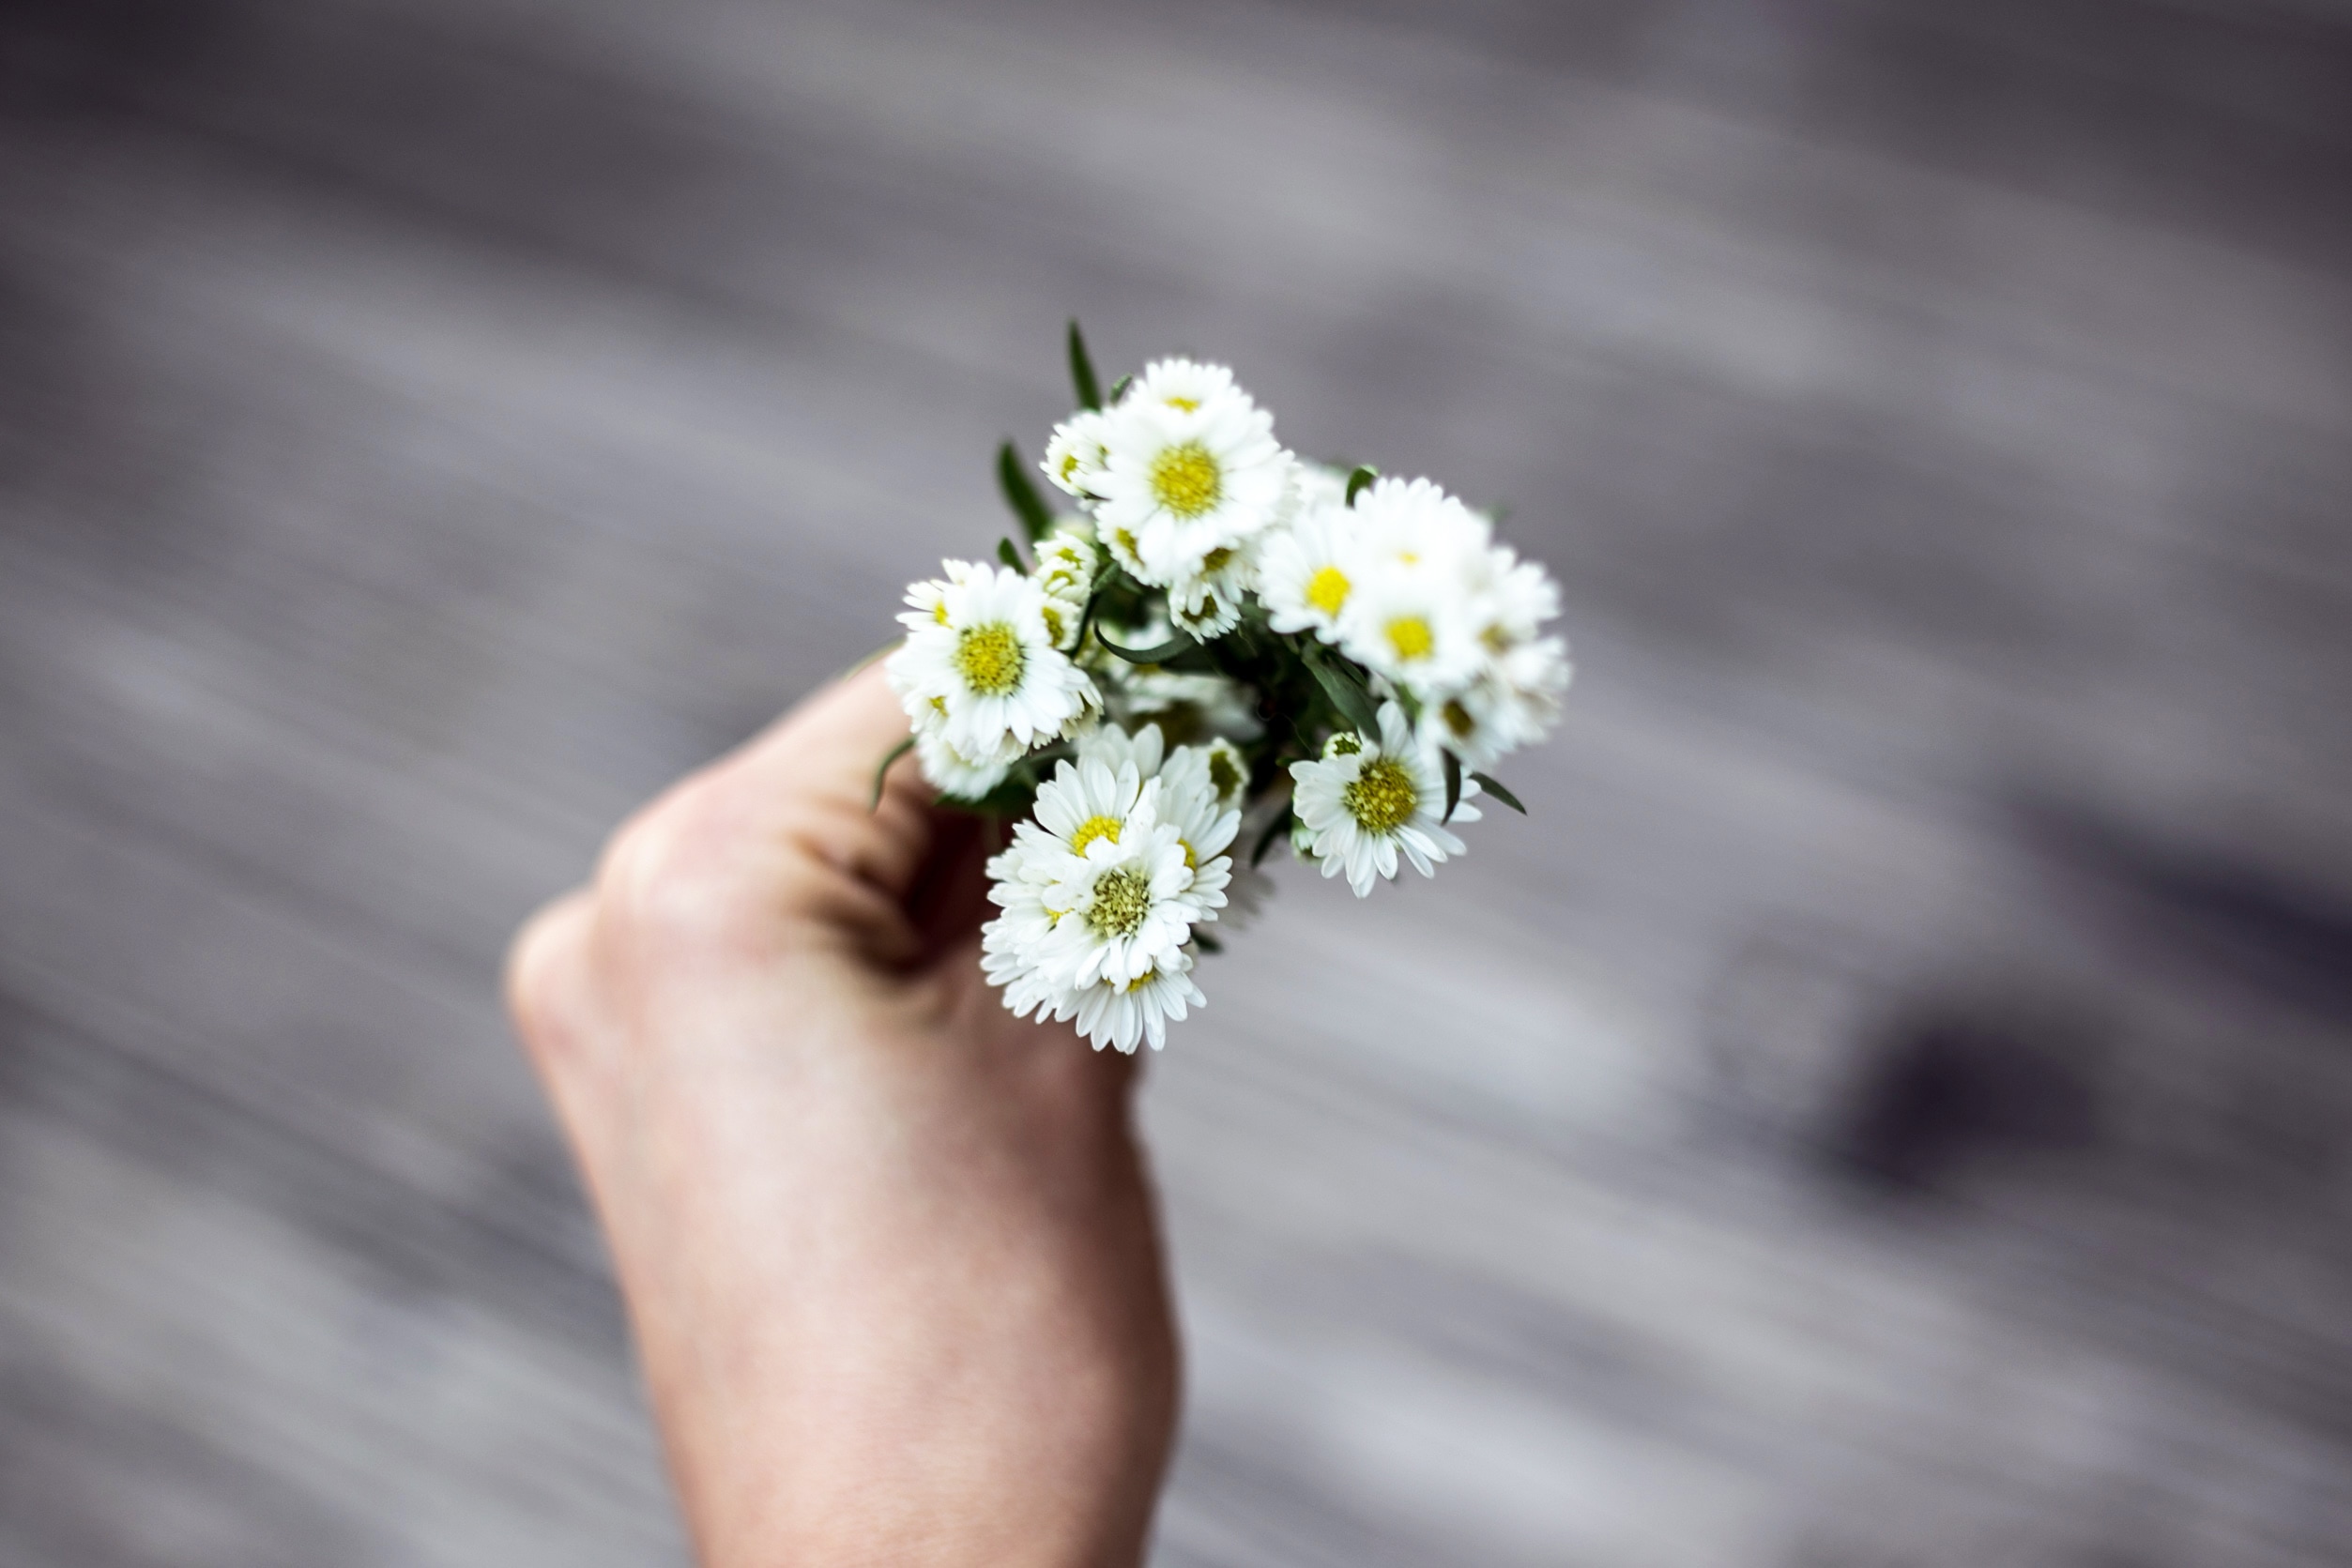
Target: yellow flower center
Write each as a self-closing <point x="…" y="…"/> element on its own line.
<point x="1186" y="480"/>
<point x="1069" y="465"/>
<point x="1214" y="560"/>
<point x="1053" y="625"/>
<point x="1328" y="590"/>
<point x="1122" y="898"/>
<point x="1124" y="539"/>
<point x="1346" y="744"/>
<point x="990" y="659"/>
<point x="1190" y="862"/>
<point x="1382" y="798"/>
<point x="1223" y="776"/>
<point x="1143" y="979"/>
<point x="1187" y="404"/>
<point x="1410" y="636"/>
<point x="1458" y="718"/>
<point x="938" y="705"/>
<point x="938" y="611"/>
<point x="1092" y="828"/>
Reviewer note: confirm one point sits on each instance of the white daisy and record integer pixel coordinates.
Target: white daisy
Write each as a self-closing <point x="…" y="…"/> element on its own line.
<point x="1124" y="904"/>
<point x="1192" y="803"/>
<point x="1093" y="798"/>
<point x="1009" y="943"/>
<point x="1514" y="696"/>
<point x="1521" y="596"/>
<point x="1414" y="608"/>
<point x="1074" y="453"/>
<point x="1206" y="598"/>
<point x="1097" y="794"/>
<point x="1412" y="523"/>
<point x="1190" y="464"/>
<point x="1314" y="484"/>
<point x="1514" y="702"/>
<point x="1115" y="748"/>
<point x="1065" y="571"/>
<point x="1370" y="799"/>
<point x="927" y="597"/>
<point x="1125" y="1014"/>
<point x="1303" y="570"/>
<point x="1416" y="625"/>
<point x="978" y="666"/>
<point x="950" y="771"/>
<point x="1182" y="384"/>
<point x="1228" y="772"/>
<point x="1201" y="790"/>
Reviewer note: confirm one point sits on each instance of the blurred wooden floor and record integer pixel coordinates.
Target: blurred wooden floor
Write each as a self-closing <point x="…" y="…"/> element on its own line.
<point x="1889" y="1107"/>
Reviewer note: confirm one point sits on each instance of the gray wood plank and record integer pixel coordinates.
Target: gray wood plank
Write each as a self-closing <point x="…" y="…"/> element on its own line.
<point x="1888" y="1105"/>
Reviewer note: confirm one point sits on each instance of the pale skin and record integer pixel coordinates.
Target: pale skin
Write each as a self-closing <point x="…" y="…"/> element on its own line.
<point x="890" y="1254"/>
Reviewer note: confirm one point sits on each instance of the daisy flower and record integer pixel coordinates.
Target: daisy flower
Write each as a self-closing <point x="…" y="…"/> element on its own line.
<point x="1065" y="571"/>
<point x="950" y="771"/>
<point x="1514" y="696"/>
<point x="980" y="668"/>
<point x="1115" y="748"/>
<point x="1514" y="702"/>
<point x="1412" y="523"/>
<point x="1009" y="943"/>
<point x="1206" y="598"/>
<point x="1190" y="464"/>
<point x="1073" y="454"/>
<point x="1418" y="626"/>
<point x="1097" y="794"/>
<point x="1124" y="1016"/>
<point x="1182" y="384"/>
<point x="1303" y="576"/>
<point x="1187" y="526"/>
<point x="1094" y="798"/>
<point x="1191" y="802"/>
<point x="1200" y="794"/>
<point x="1369" y="799"/>
<point x="1414" y="611"/>
<point x="1124" y="903"/>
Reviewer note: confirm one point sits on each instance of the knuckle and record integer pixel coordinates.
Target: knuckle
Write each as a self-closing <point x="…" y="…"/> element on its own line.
<point x="543" y="969"/>
<point x="672" y="876"/>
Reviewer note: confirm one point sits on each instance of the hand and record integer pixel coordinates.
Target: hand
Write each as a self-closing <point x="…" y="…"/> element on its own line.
<point x="889" y="1252"/>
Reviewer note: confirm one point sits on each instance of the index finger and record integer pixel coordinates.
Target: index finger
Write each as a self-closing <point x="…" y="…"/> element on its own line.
<point x="818" y="764"/>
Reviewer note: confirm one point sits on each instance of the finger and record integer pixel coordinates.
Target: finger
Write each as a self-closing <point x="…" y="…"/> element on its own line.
<point x="548" y="979"/>
<point x="813" y="773"/>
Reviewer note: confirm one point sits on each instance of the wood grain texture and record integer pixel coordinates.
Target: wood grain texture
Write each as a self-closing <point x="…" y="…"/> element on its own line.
<point x="1887" y="1106"/>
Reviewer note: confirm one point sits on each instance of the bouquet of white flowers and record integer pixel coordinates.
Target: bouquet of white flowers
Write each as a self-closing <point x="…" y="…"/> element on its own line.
<point x="1216" y="640"/>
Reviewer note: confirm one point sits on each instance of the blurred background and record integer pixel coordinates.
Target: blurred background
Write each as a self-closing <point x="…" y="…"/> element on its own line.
<point x="1887" y="1106"/>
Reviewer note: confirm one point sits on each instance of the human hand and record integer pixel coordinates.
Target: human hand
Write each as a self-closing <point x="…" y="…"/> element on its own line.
<point x="889" y="1252"/>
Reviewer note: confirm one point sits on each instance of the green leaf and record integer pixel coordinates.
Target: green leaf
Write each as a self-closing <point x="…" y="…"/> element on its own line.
<point x="1118" y="387"/>
<point x="1160" y="655"/>
<point x="1207" y="943"/>
<point x="1082" y="370"/>
<point x="884" y="772"/>
<point x="1347" y="694"/>
<point x="1453" y="784"/>
<point x="1500" y="793"/>
<point x="1281" y="824"/>
<point x="1010" y="556"/>
<point x="1022" y="496"/>
<point x="1363" y="475"/>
